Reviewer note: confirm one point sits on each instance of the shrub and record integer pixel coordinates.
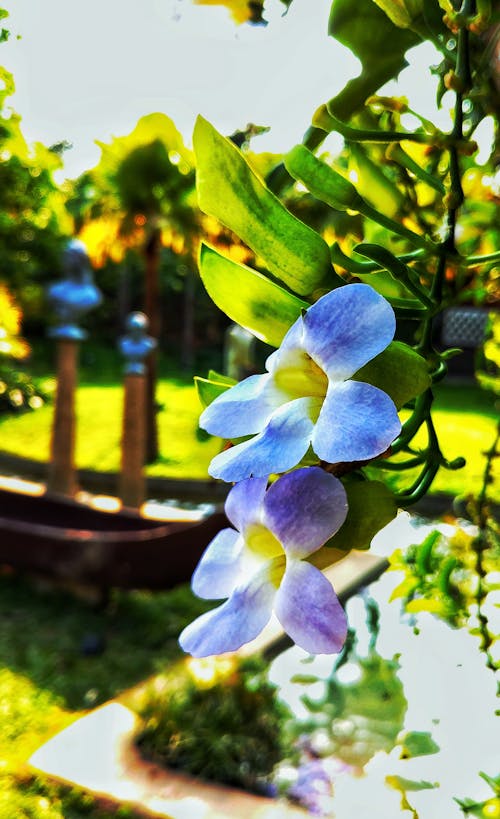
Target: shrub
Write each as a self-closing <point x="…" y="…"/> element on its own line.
<point x="216" y="718"/>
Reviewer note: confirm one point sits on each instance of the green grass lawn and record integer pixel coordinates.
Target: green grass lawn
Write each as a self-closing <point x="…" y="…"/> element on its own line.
<point x="185" y="450"/>
<point x="48" y="677"/>
<point x="464" y="418"/>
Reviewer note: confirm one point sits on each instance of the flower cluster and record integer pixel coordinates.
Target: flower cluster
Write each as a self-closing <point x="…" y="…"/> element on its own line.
<point x="309" y="398"/>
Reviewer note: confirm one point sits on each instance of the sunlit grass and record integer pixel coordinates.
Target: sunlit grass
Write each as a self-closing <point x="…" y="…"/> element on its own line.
<point x="464" y="416"/>
<point x="465" y="419"/>
<point x="185" y="453"/>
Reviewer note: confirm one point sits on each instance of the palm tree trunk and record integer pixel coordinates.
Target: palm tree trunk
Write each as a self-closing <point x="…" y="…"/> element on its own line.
<point x="153" y="311"/>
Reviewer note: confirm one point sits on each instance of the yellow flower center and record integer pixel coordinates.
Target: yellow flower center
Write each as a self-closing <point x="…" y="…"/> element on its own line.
<point x="262" y="542"/>
<point x="301" y="377"/>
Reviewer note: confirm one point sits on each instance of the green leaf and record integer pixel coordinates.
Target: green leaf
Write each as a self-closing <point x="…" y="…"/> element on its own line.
<point x="321" y="180"/>
<point x="492" y="781"/>
<point x="433" y="605"/>
<point x="248" y="297"/>
<point x="399" y="271"/>
<point x="330" y="187"/>
<point x="373" y="184"/>
<point x="380" y="46"/>
<point x="404" y="589"/>
<point x="403" y="13"/>
<point x="213" y="375"/>
<point x="417" y="743"/>
<point x="242" y="11"/>
<point x="209" y="390"/>
<point x="231" y="191"/>
<point x="399" y="783"/>
<point x="371" y="506"/>
<point x="399" y="371"/>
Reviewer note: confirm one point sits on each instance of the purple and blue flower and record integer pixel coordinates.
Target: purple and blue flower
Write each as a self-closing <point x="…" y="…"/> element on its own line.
<point x="308" y="396"/>
<point x="261" y="566"/>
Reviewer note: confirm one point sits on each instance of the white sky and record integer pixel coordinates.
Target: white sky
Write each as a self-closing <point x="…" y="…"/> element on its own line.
<point x="86" y="71"/>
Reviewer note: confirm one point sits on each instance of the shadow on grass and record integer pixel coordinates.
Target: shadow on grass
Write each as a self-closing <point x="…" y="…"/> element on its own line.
<point x="83" y="654"/>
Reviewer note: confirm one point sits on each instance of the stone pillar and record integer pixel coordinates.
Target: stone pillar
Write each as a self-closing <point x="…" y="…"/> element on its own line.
<point x="62" y="473"/>
<point x="70" y="299"/>
<point x="135" y="346"/>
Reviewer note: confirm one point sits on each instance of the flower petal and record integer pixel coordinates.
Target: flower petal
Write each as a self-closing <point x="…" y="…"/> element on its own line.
<point x="243" y="504"/>
<point x="293" y="340"/>
<point x="309" y="611"/>
<point x="279" y="447"/>
<point x="243" y="409"/>
<point x="235" y="622"/>
<point x="217" y="574"/>
<point x="357" y="422"/>
<point x="304" y="509"/>
<point x="347" y="328"/>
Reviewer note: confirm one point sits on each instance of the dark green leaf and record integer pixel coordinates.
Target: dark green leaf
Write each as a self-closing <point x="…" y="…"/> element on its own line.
<point x="380" y="46"/>
<point x="248" y="297"/>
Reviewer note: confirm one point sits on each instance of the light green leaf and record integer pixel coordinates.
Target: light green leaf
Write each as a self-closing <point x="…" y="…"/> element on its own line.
<point x="371" y="506"/>
<point x="372" y="183"/>
<point x="399" y="783"/>
<point x="231" y="191"/>
<point x="248" y="297"/>
<point x="209" y="390"/>
<point x="492" y="781"/>
<point x="403" y="13"/>
<point x="433" y="605"/>
<point x="405" y="588"/>
<point x="213" y="375"/>
<point x="321" y="180"/>
<point x="399" y="371"/>
<point x="330" y="187"/>
<point x="417" y="743"/>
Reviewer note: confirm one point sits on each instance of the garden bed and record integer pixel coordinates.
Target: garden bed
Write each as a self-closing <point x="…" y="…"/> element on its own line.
<point x="392" y="713"/>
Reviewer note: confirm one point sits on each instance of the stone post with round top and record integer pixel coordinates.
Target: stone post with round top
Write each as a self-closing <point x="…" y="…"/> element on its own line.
<point x="135" y="346"/>
<point x="70" y="299"/>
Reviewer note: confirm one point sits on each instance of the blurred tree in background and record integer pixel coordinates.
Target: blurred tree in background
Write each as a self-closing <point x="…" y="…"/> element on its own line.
<point x="33" y="219"/>
<point x="141" y="197"/>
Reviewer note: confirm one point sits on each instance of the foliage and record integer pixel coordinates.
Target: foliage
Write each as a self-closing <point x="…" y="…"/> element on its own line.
<point x="331" y="390"/>
<point x="18" y="391"/>
<point x="143" y="181"/>
<point x="33" y="219"/>
<point x="488" y="808"/>
<point x="452" y="577"/>
<point x="243" y="11"/>
<point x="219" y="719"/>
